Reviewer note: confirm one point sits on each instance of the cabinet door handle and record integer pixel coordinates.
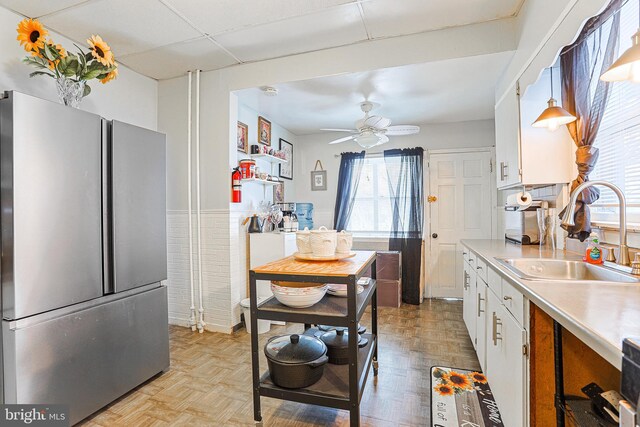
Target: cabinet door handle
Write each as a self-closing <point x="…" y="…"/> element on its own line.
<point x="479" y="267"/>
<point x="504" y="168"/>
<point x="506" y="298"/>
<point x="480" y="299"/>
<point x="466" y="281"/>
<point x="496" y="336"/>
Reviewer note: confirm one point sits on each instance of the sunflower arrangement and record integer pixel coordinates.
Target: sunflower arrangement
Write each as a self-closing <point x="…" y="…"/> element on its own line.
<point x="53" y="60"/>
<point x="451" y="382"/>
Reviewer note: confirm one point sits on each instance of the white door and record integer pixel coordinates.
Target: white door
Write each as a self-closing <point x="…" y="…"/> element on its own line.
<point x="459" y="208"/>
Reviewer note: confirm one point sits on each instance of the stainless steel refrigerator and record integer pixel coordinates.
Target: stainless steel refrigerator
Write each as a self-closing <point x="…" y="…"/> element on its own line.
<point x="83" y="239"/>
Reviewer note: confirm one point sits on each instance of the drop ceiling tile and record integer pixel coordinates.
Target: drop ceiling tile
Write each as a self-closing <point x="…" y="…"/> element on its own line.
<point x="36" y="8"/>
<point x="238" y="14"/>
<point x="386" y="18"/>
<point x="176" y="59"/>
<point x="332" y="27"/>
<point x="129" y="26"/>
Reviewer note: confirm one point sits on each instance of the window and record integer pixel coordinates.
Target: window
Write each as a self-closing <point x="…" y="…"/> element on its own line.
<point x="371" y="215"/>
<point x="619" y="137"/>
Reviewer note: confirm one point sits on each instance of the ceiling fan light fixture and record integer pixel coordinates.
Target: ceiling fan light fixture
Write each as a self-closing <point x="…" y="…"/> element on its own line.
<point x="367" y="140"/>
<point x="627" y="66"/>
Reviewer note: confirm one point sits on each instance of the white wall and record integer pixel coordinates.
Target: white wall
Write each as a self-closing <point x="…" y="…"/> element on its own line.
<point x="131" y="98"/>
<point x="473" y="134"/>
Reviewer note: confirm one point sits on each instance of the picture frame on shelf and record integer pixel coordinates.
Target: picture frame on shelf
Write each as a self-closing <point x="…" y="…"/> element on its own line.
<point x="278" y="192"/>
<point x="264" y="131"/>
<point x="243" y="138"/>
<point x="286" y="169"/>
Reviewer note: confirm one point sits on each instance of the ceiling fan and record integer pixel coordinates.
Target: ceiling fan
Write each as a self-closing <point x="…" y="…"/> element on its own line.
<point x="373" y="130"/>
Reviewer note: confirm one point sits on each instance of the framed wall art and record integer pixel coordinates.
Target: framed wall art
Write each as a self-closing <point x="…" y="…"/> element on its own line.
<point x="243" y="137"/>
<point x="318" y="178"/>
<point x="286" y="169"/>
<point x="264" y="131"/>
<point x="278" y="193"/>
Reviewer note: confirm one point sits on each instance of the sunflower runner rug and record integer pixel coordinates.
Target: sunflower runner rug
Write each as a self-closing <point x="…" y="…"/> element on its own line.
<point x="462" y="398"/>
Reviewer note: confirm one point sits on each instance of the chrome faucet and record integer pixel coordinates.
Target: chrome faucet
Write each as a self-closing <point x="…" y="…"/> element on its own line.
<point x="567" y="219"/>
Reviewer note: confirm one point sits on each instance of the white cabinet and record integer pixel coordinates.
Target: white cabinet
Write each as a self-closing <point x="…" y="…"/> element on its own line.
<point x="506" y="362"/>
<point x="496" y="317"/>
<point x="526" y="155"/>
<point x="469" y="299"/>
<point x="267" y="247"/>
<point x="481" y="322"/>
<point x="507" y="123"/>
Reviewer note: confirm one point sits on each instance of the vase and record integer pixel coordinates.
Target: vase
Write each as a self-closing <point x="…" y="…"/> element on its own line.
<point x="70" y="92"/>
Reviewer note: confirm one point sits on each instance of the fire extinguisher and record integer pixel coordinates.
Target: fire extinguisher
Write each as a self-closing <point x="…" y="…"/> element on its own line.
<point x="236" y="186"/>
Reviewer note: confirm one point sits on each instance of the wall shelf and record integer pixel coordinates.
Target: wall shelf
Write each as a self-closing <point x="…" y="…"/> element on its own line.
<point x="269" y="158"/>
<point x="259" y="181"/>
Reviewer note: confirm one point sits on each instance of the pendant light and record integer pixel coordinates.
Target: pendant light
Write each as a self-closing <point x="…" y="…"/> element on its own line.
<point x="627" y="66"/>
<point x="553" y="116"/>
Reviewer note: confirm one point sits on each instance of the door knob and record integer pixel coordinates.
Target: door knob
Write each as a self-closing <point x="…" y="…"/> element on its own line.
<point x="434" y="235"/>
<point x="432" y="199"/>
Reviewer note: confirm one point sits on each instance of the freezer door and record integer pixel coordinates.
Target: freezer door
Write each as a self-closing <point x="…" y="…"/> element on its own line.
<point x="50" y="173"/>
<point x="139" y="206"/>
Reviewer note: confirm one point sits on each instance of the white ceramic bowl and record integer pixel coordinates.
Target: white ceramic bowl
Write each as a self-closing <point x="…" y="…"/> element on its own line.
<point x="298" y="297"/>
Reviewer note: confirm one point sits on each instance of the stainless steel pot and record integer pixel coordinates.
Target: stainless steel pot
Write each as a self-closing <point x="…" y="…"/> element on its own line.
<point x="295" y="361"/>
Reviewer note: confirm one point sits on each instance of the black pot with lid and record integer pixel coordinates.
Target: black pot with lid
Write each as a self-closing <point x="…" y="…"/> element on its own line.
<point x="295" y="361"/>
<point x="337" y="342"/>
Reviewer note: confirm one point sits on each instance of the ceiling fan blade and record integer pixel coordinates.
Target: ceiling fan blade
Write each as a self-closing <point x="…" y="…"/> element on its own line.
<point x="402" y="130"/>
<point x="340" y="130"/>
<point x="377" y="122"/>
<point x="346" y="138"/>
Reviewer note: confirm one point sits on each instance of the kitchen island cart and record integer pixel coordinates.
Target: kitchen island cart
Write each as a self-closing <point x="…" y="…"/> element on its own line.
<point x="341" y="386"/>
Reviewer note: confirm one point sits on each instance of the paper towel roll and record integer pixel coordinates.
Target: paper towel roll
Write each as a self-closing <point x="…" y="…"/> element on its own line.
<point x="521" y="199"/>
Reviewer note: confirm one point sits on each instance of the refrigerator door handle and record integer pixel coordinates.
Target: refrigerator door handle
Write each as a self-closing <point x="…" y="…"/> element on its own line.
<point x="107" y="244"/>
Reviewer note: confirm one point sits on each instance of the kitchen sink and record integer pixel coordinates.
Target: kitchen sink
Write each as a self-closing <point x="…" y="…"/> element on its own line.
<point x="557" y="269"/>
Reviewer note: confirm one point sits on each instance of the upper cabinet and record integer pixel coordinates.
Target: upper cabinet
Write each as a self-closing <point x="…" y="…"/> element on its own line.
<point x="507" y="121"/>
<point x="526" y="155"/>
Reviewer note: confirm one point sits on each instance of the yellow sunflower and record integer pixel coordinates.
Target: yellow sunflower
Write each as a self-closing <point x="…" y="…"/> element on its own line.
<point x="458" y="380"/>
<point x="61" y="51"/>
<point x="31" y="34"/>
<point x="111" y="76"/>
<point x="101" y="51"/>
<point x="444" y="390"/>
<point x="479" y="377"/>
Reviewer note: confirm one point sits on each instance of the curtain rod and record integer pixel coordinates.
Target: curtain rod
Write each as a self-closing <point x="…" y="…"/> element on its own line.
<point x="366" y="154"/>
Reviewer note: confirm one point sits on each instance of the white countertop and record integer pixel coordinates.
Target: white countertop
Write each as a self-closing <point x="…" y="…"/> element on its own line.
<point x="601" y="314"/>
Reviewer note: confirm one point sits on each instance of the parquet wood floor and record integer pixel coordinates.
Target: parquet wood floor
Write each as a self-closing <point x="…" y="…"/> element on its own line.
<point x="209" y="382"/>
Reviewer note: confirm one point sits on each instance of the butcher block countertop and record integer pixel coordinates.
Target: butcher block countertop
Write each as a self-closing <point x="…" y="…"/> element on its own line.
<point x="343" y="268"/>
<point x="601" y="314"/>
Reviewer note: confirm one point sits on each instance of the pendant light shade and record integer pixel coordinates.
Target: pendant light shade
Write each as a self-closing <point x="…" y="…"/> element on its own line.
<point x="627" y="66"/>
<point x="553" y="116"/>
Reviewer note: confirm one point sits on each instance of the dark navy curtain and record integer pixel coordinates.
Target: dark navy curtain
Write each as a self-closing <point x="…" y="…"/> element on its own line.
<point x="404" y="168"/>
<point x="348" y="179"/>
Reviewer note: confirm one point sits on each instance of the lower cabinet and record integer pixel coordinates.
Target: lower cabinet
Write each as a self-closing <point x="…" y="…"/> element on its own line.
<point x="500" y="337"/>
<point x="481" y="322"/>
<point x="468" y="305"/>
<point x="506" y="362"/>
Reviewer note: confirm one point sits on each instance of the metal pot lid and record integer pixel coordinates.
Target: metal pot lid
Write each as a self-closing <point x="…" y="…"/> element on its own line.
<point x="326" y="328"/>
<point x="294" y="349"/>
<point x="337" y="338"/>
